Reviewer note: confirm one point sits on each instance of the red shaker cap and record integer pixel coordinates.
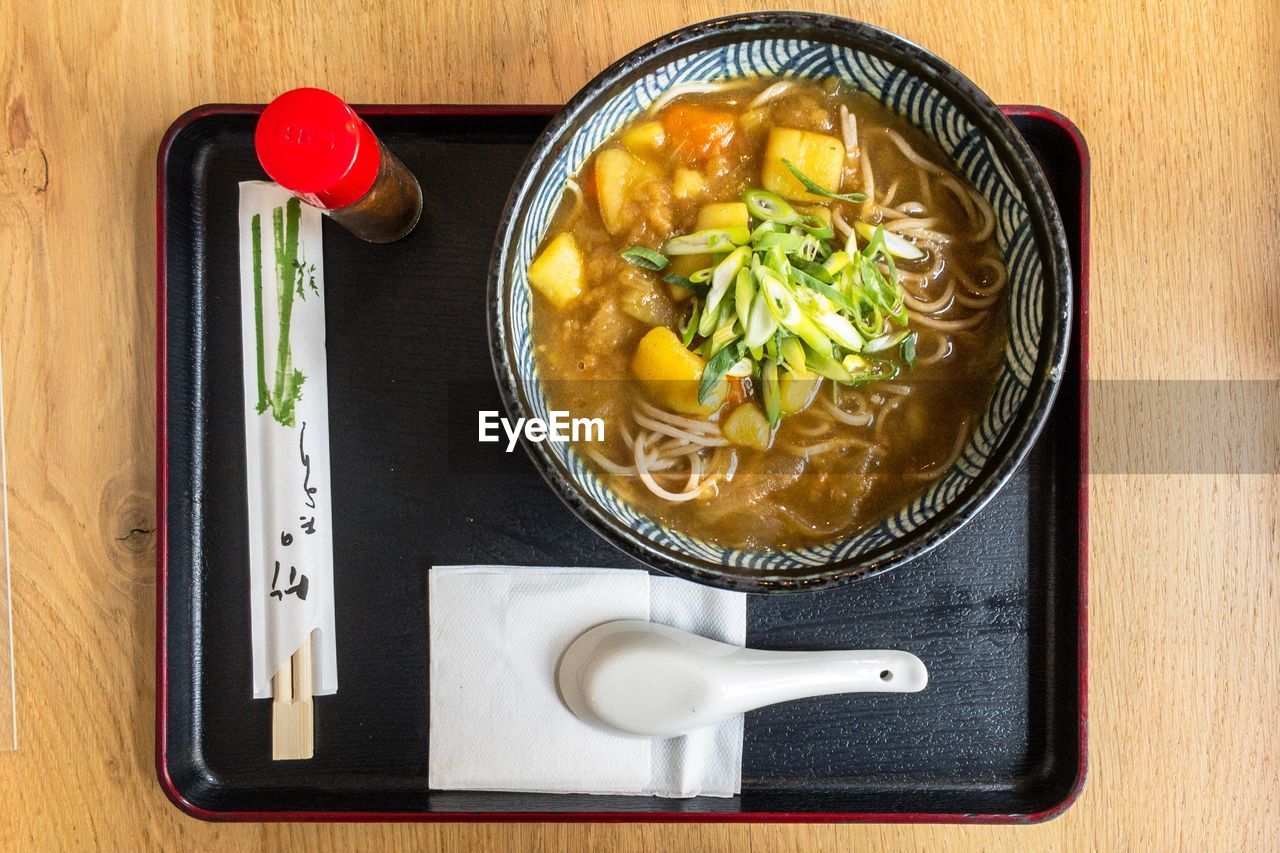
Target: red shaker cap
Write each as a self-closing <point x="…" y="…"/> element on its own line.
<point x="311" y="143"/>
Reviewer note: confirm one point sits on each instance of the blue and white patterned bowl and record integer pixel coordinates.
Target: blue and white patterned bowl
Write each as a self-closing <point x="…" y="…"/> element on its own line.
<point x="934" y="97"/>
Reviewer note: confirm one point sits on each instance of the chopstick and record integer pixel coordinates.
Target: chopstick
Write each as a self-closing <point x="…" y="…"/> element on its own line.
<point x="292" y="716"/>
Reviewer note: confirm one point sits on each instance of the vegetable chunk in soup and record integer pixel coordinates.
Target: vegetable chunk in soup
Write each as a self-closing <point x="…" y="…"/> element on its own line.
<point x="785" y="303"/>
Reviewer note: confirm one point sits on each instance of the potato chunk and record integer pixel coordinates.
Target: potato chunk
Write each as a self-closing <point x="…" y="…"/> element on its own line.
<point x="819" y="157"/>
<point x="618" y="174"/>
<point x="688" y="183"/>
<point x="644" y="138"/>
<point x="747" y="426"/>
<point x="672" y="373"/>
<point x="557" y="272"/>
<point x="797" y="394"/>
<point x="726" y="214"/>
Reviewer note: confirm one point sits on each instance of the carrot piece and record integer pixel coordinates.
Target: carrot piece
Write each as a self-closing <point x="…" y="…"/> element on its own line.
<point x="698" y="132"/>
<point x="737" y="390"/>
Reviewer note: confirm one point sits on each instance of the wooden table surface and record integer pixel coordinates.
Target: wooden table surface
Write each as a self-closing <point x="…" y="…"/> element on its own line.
<point x="1180" y="103"/>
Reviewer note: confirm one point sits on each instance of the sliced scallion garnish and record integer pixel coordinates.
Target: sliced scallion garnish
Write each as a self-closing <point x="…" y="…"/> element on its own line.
<point x="899" y="247"/>
<point x="698" y="287"/>
<point x="726" y="272"/>
<point x="769" y="206"/>
<point x="852" y="198"/>
<point x="886" y="341"/>
<point x="770" y="392"/>
<point x="690" y="331"/>
<point x="836" y="263"/>
<point x="761" y="324"/>
<point x="717" y="367"/>
<point x="826" y="366"/>
<point x="814" y="284"/>
<point x="781" y="297"/>
<point x="908" y="349"/>
<point x="839" y="329"/>
<point x="789" y="243"/>
<point x="765" y="228"/>
<point x="744" y="294"/>
<point x="817" y="227"/>
<point x="707" y="240"/>
<point x="645" y="258"/>
<point x="791" y="354"/>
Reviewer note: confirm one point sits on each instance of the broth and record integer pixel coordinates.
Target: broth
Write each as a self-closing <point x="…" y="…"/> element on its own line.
<point x="858" y="452"/>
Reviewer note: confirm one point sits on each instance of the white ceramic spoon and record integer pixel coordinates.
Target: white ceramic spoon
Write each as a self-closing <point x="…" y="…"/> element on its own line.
<point x="648" y="680"/>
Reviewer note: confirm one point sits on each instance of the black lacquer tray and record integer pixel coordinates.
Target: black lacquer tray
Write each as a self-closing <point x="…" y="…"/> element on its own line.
<point x="997" y="612"/>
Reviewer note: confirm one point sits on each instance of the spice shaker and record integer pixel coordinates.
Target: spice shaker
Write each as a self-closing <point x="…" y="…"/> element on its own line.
<point x="313" y="144"/>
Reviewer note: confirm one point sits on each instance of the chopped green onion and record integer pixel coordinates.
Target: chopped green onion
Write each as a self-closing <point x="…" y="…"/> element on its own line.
<point x="809" y="333"/>
<point x="776" y="260"/>
<point x="840" y="330"/>
<point x="816" y="270"/>
<point x="884" y="294"/>
<point x="893" y="244"/>
<point x="770" y="207"/>
<point x="826" y="366"/>
<point x="744" y="291"/>
<point x="781" y="295"/>
<point x="725" y="335"/>
<point x="788" y="243"/>
<point x="774" y="345"/>
<point x="809" y="249"/>
<point x="814" y="284"/>
<point x="708" y="240"/>
<point x="764" y="228"/>
<point x="690" y="331"/>
<point x="908" y="349"/>
<point x="738" y="235"/>
<point x="770" y="392"/>
<point x="886" y="341"/>
<point x="645" y="258"/>
<point x="717" y="367"/>
<point x="761" y="324"/>
<point x="874" y="237"/>
<point x="852" y="198"/>
<point x="782" y="305"/>
<point x="837" y="262"/>
<point x="791" y="352"/>
<point x="725" y="274"/>
<point x="817" y="227"/>
<point x="770" y="348"/>
<point x="699" y="288"/>
<point x="708" y="323"/>
<point x="867" y="316"/>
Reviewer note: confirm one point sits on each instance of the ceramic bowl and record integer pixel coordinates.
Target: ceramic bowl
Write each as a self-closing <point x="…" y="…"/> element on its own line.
<point x="983" y="145"/>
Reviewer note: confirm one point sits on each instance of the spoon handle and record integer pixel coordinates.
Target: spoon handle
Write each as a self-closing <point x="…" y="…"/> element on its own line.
<point x="755" y="678"/>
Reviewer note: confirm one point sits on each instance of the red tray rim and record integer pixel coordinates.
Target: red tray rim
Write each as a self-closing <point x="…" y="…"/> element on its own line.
<point x="332" y="816"/>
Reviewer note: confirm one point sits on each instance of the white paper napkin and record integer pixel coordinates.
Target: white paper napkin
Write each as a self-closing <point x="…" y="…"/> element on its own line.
<point x="497" y="723"/>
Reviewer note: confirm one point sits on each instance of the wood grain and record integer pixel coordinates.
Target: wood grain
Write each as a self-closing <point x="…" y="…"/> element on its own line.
<point x="1181" y="106"/>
